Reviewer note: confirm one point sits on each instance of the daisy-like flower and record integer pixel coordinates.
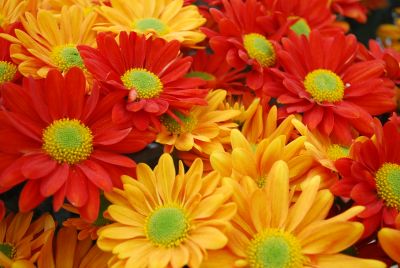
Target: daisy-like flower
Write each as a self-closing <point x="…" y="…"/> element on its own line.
<point x="49" y="41"/>
<point x="370" y="177"/>
<point x="147" y="73"/>
<point x="201" y="129"/>
<point x="167" y="19"/>
<point x="389" y="240"/>
<point x="10" y="12"/>
<point x="22" y="240"/>
<point x="164" y="219"/>
<point x="350" y="8"/>
<point x="272" y="230"/>
<point x="68" y="252"/>
<point x="335" y="94"/>
<point x="67" y="143"/>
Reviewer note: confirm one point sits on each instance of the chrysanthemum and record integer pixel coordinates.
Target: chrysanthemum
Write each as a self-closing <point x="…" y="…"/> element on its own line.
<point x="49" y="41"/>
<point x="335" y="94"/>
<point x="67" y="143"/>
<point x="164" y="219"/>
<point x="349" y="8"/>
<point x="10" y="12"/>
<point x="167" y="19"/>
<point x="148" y="75"/>
<point x="201" y="129"/>
<point x="68" y="252"/>
<point x="22" y="240"/>
<point x="389" y="240"/>
<point x="370" y="177"/>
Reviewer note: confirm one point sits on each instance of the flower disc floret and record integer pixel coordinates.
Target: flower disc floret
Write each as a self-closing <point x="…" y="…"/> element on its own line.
<point x="67" y="56"/>
<point x="8" y="250"/>
<point x="336" y="151"/>
<point x="388" y="184"/>
<point x="151" y="24"/>
<point x="147" y="84"/>
<point x="203" y="75"/>
<point x="301" y="27"/>
<point x="187" y="124"/>
<point x="324" y="85"/>
<point x="259" y="49"/>
<point x="7" y="71"/>
<point x="68" y="141"/>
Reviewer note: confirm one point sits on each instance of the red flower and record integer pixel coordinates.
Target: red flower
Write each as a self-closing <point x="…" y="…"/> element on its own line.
<point x="350" y="8"/>
<point x="66" y="142"/>
<point x="322" y="80"/>
<point x="149" y="75"/>
<point x="370" y="177"/>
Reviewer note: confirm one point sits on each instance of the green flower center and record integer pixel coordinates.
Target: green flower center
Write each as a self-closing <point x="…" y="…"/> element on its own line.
<point x="146" y="83"/>
<point x="68" y="141"/>
<point x="324" y="85"/>
<point x="388" y="184"/>
<point x="7" y="71"/>
<point x="203" y="75"/>
<point x="8" y="250"/>
<point x="167" y="226"/>
<point x="275" y="248"/>
<point x="335" y="151"/>
<point x="150" y="25"/>
<point x="67" y="56"/>
<point x="259" y="49"/>
<point x="173" y="126"/>
<point x="301" y="27"/>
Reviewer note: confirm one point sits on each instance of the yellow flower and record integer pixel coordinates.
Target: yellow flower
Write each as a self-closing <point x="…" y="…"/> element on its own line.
<point x="69" y="252"/>
<point x="204" y="129"/>
<point x="10" y="11"/>
<point x="164" y="219"/>
<point x="271" y="229"/>
<point x="21" y="240"/>
<point x="50" y="41"/>
<point x="167" y="19"/>
<point x="389" y="240"/>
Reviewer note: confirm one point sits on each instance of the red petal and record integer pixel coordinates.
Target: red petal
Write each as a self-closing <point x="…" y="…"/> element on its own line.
<point x="56" y="96"/>
<point x="371" y="209"/>
<point x="77" y="188"/>
<point x="12" y="175"/>
<point x="113" y="158"/>
<point x="111" y="136"/>
<point x="76" y="90"/>
<point x="37" y="166"/>
<point x="55" y="180"/>
<point x="58" y="198"/>
<point x="363" y="194"/>
<point x="96" y="174"/>
<point x="30" y="196"/>
<point x="90" y="210"/>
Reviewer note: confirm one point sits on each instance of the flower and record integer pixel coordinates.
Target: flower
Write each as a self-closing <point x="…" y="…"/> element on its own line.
<point x="8" y="69"/>
<point x="168" y="19"/>
<point x="22" y="240"/>
<point x="370" y="177"/>
<point x="335" y="94"/>
<point x="10" y="12"/>
<point x="39" y="49"/>
<point x="389" y="238"/>
<point x="272" y="229"/>
<point x="147" y="73"/>
<point x="164" y="219"/>
<point x="70" y="252"/>
<point x="350" y="8"/>
<point x="67" y="144"/>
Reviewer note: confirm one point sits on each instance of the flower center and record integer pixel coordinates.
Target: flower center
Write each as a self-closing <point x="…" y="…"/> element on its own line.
<point x="151" y="25"/>
<point x="335" y="151"/>
<point x="8" y="250"/>
<point x="173" y="126"/>
<point x="146" y="83"/>
<point x="324" y="85"/>
<point x="7" y="71"/>
<point x="300" y="27"/>
<point x="388" y="184"/>
<point x="68" y="141"/>
<point x="275" y="248"/>
<point x="167" y="226"/>
<point x="203" y="75"/>
<point x="259" y="49"/>
<point x="66" y="56"/>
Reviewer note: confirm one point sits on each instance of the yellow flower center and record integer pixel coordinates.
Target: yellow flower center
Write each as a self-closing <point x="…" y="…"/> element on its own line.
<point x="259" y="49"/>
<point x="388" y="184"/>
<point x="335" y="151"/>
<point x="167" y="226"/>
<point x="8" y="250"/>
<point x="324" y="85"/>
<point x="301" y="27"/>
<point x="150" y="25"/>
<point x="188" y="123"/>
<point x="203" y="75"/>
<point x="7" y="71"/>
<point x="275" y="248"/>
<point x="68" y="141"/>
<point x="146" y="83"/>
<point x="66" y="56"/>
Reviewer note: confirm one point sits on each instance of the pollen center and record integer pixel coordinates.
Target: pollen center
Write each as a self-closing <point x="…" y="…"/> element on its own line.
<point x="67" y="56"/>
<point x="203" y="75"/>
<point x="167" y="226"/>
<point x="275" y="248"/>
<point x="259" y="49"/>
<point x="388" y="184"/>
<point x="7" y="71"/>
<point x="324" y="85"/>
<point x="187" y="124"/>
<point x="68" y="141"/>
<point x="301" y="27"/>
<point x="335" y="151"/>
<point x="146" y="83"/>
<point x="8" y="250"/>
<point x="151" y="25"/>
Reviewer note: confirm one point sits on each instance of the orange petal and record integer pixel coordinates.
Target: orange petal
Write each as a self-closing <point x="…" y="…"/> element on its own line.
<point x="389" y="240"/>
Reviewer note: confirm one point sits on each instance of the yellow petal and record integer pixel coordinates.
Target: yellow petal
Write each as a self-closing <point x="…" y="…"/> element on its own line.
<point x="184" y="142"/>
<point x="341" y="260"/>
<point x="244" y="163"/>
<point x="114" y="231"/>
<point x="219" y="258"/>
<point x="209" y="238"/>
<point x="165" y="174"/>
<point x="125" y="215"/>
<point x="239" y="141"/>
<point x="389" y="240"/>
<point x="221" y="162"/>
